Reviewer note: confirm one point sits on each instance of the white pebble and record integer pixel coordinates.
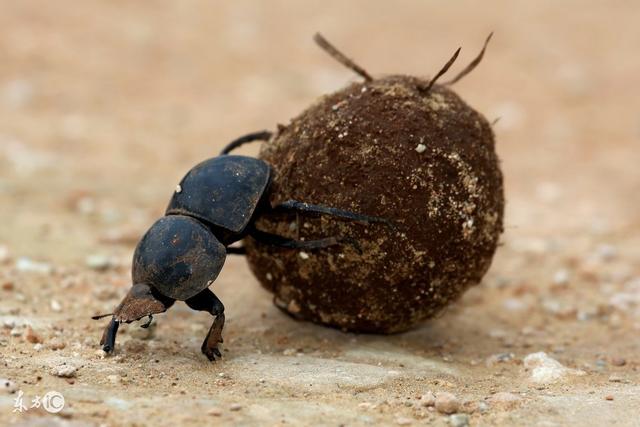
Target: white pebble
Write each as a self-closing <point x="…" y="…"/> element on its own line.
<point x="178" y="188"/>
<point x="64" y="371"/>
<point x="561" y="277"/>
<point x="303" y="255"/>
<point x="505" y="400"/>
<point x="17" y="93"/>
<point x="447" y="403"/>
<point x="27" y="265"/>
<point x="4" y="254"/>
<point x="606" y="252"/>
<point x="86" y="206"/>
<point x="421" y="148"/>
<point x="98" y="262"/>
<point x="459" y="420"/>
<point x="55" y="305"/>
<point x="545" y="369"/>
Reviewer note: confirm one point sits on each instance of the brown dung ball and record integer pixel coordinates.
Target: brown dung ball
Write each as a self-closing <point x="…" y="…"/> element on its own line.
<point x="396" y="148"/>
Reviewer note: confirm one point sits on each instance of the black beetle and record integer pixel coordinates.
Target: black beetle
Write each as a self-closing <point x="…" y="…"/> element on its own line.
<point x="215" y="205"/>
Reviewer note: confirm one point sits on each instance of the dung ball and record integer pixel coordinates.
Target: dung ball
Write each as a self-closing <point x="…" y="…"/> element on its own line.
<point x="394" y="148"/>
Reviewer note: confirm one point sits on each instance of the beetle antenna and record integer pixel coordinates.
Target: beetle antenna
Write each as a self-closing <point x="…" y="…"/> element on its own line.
<point x="340" y="57"/>
<point x="442" y="70"/>
<point x="472" y="65"/>
<point x="100" y="316"/>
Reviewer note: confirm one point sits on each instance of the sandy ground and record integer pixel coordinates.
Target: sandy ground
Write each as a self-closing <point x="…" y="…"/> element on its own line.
<point x="105" y="105"/>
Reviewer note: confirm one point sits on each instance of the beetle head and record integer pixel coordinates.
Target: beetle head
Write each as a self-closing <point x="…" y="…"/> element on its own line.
<point x="178" y="257"/>
<point x="141" y="301"/>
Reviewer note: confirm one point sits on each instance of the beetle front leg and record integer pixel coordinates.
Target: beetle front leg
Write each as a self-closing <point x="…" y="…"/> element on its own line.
<point x="209" y="302"/>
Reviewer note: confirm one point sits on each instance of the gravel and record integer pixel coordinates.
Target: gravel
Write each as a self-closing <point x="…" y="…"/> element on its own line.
<point x="505" y="400"/>
<point x="459" y="420"/>
<point x="64" y="371"/>
<point x="447" y="403"/>
<point x="544" y="369"/>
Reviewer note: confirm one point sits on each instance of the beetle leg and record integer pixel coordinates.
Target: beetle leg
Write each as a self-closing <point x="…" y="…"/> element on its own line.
<point x="285" y="242"/>
<point x="148" y="323"/>
<point x="236" y="250"/>
<point x="255" y="136"/>
<point x="108" y="341"/>
<point x="209" y="302"/>
<point x="300" y="207"/>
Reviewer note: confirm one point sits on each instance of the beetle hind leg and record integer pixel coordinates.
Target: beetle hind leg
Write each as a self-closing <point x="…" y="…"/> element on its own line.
<point x="209" y="302"/>
<point x="285" y="242"/>
<point x="301" y="207"/>
<point x="255" y="136"/>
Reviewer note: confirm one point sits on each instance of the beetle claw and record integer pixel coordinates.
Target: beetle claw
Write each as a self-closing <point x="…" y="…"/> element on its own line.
<point x="213" y="338"/>
<point x="146" y="325"/>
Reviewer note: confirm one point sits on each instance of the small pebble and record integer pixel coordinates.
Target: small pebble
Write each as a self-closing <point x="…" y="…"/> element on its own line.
<point x="459" y="420"/>
<point x="235" y="407"/>
<point x="561" y="277"/>
<point x="56" y="344"/>
<point x="404" y="421"/>
<point x="618" y="361"/>
<point x="31" y="336"/>
<point x="421" y="148"/>
<point x="545" y="369"/>
<point x="26" y="265"/>
<point x="98" y="262"/>
<point x="64" y="371"/>
<point x="505" y="400"/>
<point x="9" y="323"/>
<point x="606" y="252"/>
<point x="428" y="399"/>
<point x="303" y="255"/>
<point x="608" y="397"/>
<point x="4" y="254"/>
<point x="38" y="347"/>
<point x="446" y="403"/>
<point x="366" y="405"/>
<point x="216" y="412"/>
<point x="55" y="306"/>
<point x="178" y="188"/>
<point x="499" y="358"/>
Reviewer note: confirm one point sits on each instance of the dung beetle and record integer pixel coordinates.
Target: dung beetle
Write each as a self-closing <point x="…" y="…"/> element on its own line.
<point x="215" y="205"/>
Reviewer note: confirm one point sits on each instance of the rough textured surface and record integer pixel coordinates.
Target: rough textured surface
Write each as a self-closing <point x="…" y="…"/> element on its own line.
<point x="105" y="105"/>
<point x="424" y="160"/>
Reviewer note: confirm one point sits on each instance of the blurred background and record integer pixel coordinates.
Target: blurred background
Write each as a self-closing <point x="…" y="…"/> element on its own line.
<point x="116" y="100"/>
<point x="104" y="105"/>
